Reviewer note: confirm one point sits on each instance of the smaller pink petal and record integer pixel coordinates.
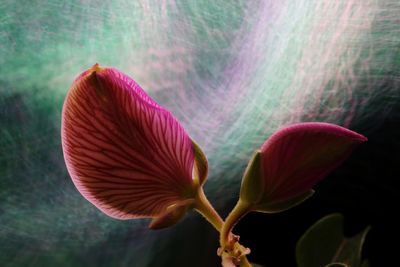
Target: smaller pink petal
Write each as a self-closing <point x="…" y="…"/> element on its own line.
<point x="125" y="153"/>
<point x="295" y="158"/>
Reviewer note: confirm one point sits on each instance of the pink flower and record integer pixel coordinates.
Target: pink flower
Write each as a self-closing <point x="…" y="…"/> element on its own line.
<point x="282" y="173"/>
<point x="126" y="154"/>
<point x="293" y="160"/>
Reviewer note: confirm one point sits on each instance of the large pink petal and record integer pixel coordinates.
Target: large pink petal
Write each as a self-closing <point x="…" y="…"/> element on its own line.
<point x="296" y="157"/>
<point x="126" y="154"/>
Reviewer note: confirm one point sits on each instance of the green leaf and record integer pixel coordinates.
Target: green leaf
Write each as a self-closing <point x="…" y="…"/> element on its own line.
<point x="336" y="264"/>
<point x="324" y="243"/>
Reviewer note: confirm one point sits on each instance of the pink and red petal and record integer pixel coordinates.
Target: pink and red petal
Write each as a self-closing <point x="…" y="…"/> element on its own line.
<point x="295" y="158"/>
<point x="126" y="154"/>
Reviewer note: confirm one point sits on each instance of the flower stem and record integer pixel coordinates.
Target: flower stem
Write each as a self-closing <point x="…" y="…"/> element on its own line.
<point x="240" y="210"/>
<point x="245" y="262"/>
<point x="204" y="207"/>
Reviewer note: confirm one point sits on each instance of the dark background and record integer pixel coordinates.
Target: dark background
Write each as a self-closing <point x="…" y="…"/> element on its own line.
<point x="364" y="189"/>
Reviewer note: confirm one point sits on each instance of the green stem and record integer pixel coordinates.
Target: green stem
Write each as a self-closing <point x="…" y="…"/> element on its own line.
<point x="245" y="262"/>
<point x="240" y="210"/>
<point x="204" y="207"/>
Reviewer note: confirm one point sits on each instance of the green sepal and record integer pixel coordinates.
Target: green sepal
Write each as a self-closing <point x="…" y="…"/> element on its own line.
<point x="282" y="206"/>
<point x="200" y="167"/>
<point x="252" y="190"/>
<point x="172" y="215"/>
<point x="324" y="243"/>
<point x="252" y="187"/>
